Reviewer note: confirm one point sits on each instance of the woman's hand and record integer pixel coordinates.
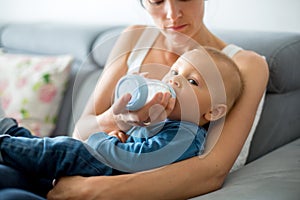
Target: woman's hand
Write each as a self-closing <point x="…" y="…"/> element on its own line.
<point x="73" y="187"/>
<point x="88" y="188"/>
<point x="156" y="110"/>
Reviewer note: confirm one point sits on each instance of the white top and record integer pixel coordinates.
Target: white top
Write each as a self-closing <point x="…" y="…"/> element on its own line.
<point x="146" y="41"/>
<point x="141" y="49"/>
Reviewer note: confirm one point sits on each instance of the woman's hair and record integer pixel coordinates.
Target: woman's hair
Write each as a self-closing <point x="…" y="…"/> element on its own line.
<point x="142" y="3"/>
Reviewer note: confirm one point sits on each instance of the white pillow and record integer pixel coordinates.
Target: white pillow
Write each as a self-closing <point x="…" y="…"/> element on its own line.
<point x="242" y="158"/>
<point x="32" y="87"/>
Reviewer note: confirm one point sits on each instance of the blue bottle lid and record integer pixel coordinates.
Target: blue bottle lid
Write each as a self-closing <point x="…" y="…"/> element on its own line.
<point x="136" y="85"/>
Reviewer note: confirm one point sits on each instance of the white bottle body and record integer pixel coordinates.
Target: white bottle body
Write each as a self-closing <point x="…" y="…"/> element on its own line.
<point x="141" y="89"/>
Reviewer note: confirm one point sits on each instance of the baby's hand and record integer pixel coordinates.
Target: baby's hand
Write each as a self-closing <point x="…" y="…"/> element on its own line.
<point x="120" y="135"/>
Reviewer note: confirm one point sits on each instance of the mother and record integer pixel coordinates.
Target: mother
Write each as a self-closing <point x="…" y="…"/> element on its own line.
<point x="184" y="179"/>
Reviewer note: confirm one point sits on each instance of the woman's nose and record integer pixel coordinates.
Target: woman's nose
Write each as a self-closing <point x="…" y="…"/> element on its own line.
<point x="173" y="10"/>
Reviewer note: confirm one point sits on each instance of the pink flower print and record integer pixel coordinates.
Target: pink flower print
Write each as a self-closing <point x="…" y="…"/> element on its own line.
<point x="40" y="65"/>
<point x="24" y="62"/>
<point x="3" y="85"/>
<point x="47" y="93"/>
<point x="16" y="115"/>
<point x="22" y="81"/>
<point x="35" y="128"/>
<point x="5" y="101"/>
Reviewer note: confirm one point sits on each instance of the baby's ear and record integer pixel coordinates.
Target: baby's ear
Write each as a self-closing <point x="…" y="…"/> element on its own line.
<point x="216" y="113"/>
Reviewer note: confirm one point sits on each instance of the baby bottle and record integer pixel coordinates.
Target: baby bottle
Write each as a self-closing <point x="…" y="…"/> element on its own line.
<point x="141" y="89"/>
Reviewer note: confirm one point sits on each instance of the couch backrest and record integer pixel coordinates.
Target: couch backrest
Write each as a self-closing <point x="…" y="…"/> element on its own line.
<point x="280" y="119"/>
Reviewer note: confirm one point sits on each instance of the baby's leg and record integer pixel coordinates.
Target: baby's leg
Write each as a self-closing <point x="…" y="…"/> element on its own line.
<point x="12" y="178"/>
<point x="50" y="157"/>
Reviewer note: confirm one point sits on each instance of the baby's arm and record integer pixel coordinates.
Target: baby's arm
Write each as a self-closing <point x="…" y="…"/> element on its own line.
<point x="138" y="154"/>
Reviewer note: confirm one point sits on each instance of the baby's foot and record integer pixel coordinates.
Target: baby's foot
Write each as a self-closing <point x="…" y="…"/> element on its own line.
<point x="6" y="124"/>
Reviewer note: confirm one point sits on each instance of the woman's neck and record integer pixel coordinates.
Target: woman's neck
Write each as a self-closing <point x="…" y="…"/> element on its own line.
<point x="179" y="43"/>
<point x="205" y="38"/>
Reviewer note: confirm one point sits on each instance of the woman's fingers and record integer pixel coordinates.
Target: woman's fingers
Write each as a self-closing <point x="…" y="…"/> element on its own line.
<point x="120" y="105"/>
<point x="159" y="108"/>
<point x="156" y="110"/>
<point x="160" y="112"/>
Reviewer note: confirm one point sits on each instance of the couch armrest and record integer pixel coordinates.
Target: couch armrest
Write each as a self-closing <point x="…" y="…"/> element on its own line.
<point x="273" y="176"/>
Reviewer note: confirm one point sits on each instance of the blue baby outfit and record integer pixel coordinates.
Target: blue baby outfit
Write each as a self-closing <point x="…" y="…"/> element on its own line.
<point x="146" y="148"/>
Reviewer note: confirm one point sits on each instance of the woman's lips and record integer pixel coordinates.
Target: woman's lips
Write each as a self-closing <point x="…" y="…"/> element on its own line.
<point x="176" y="28"/>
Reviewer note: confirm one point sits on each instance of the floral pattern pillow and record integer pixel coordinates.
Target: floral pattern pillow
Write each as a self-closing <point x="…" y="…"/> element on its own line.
<point x="32" y="87"/>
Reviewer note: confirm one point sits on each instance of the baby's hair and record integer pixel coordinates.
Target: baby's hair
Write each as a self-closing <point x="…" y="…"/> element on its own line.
<point x="233" y="82"/>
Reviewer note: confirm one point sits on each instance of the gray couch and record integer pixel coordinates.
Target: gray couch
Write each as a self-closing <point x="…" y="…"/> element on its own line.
<point x="273" y="165"/>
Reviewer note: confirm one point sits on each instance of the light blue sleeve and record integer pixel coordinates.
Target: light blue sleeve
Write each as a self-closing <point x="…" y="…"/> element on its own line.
<point x="159" y="150"/>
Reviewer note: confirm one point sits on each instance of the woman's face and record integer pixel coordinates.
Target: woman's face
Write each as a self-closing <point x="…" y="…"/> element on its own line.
<point x="183" y="16"/>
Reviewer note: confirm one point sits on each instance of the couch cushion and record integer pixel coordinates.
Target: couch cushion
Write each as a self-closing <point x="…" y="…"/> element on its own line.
<point x="279" y="124"/>
<point x="104" y="44"/>
<point x="282" y="50"/>
<point x="43" y="38"/>
<point x="2" y="26"/>
<point x="279" y="120"/>
<point x="275" y="176"/>
<point x="84" y="85"/>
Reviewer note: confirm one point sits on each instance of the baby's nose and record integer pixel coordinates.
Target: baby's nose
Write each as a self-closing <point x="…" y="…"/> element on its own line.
<point x="175" y="82"/>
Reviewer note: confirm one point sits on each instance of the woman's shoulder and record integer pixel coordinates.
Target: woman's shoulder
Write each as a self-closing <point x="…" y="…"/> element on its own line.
<point x="131" y="34"/>
<point x="250" y="62"/>
<point x="136" y="28"/>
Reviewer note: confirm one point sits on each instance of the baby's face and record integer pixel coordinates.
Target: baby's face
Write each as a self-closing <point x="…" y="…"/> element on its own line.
<point x="193" y="99"/>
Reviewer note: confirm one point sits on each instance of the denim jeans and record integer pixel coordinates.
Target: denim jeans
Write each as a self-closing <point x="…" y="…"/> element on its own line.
<point x="47" y="158"/>
<point x="14" y="194"/>
<point x="14" y="180"/>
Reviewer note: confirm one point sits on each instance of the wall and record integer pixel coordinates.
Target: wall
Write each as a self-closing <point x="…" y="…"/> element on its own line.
<point x="238" y="14"/>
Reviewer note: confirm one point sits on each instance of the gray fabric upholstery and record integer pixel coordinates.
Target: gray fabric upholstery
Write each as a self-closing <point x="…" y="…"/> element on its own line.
<point x="272" y="171"/>
<point x="50" y="39"/>
<point x="279" y="117"/>
<point x="2" y="26"/>
<point x="104" y="43"/>
<point x="84" y="89"/>
<point x="273" y="177"/>
<point x="281" y="50"/>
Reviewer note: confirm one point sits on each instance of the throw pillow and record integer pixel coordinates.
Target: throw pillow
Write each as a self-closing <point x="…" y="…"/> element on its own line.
<point x="32" y="87"/>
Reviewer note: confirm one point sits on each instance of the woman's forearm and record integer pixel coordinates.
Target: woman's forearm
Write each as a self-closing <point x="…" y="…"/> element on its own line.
<point x="90" y="123"/>
<point x="181" y="180"/>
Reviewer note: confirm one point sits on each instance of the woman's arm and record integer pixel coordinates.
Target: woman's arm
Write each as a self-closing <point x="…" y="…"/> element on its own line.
<point x="191" y="177"/>
<point x="140" y="154"/>
<point x="98" y="115"/>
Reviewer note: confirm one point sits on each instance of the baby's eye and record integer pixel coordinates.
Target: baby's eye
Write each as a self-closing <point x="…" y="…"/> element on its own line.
<point x="155" y="2"/>
<point x="193" y="82"/>
<point x="173" y="72"/>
